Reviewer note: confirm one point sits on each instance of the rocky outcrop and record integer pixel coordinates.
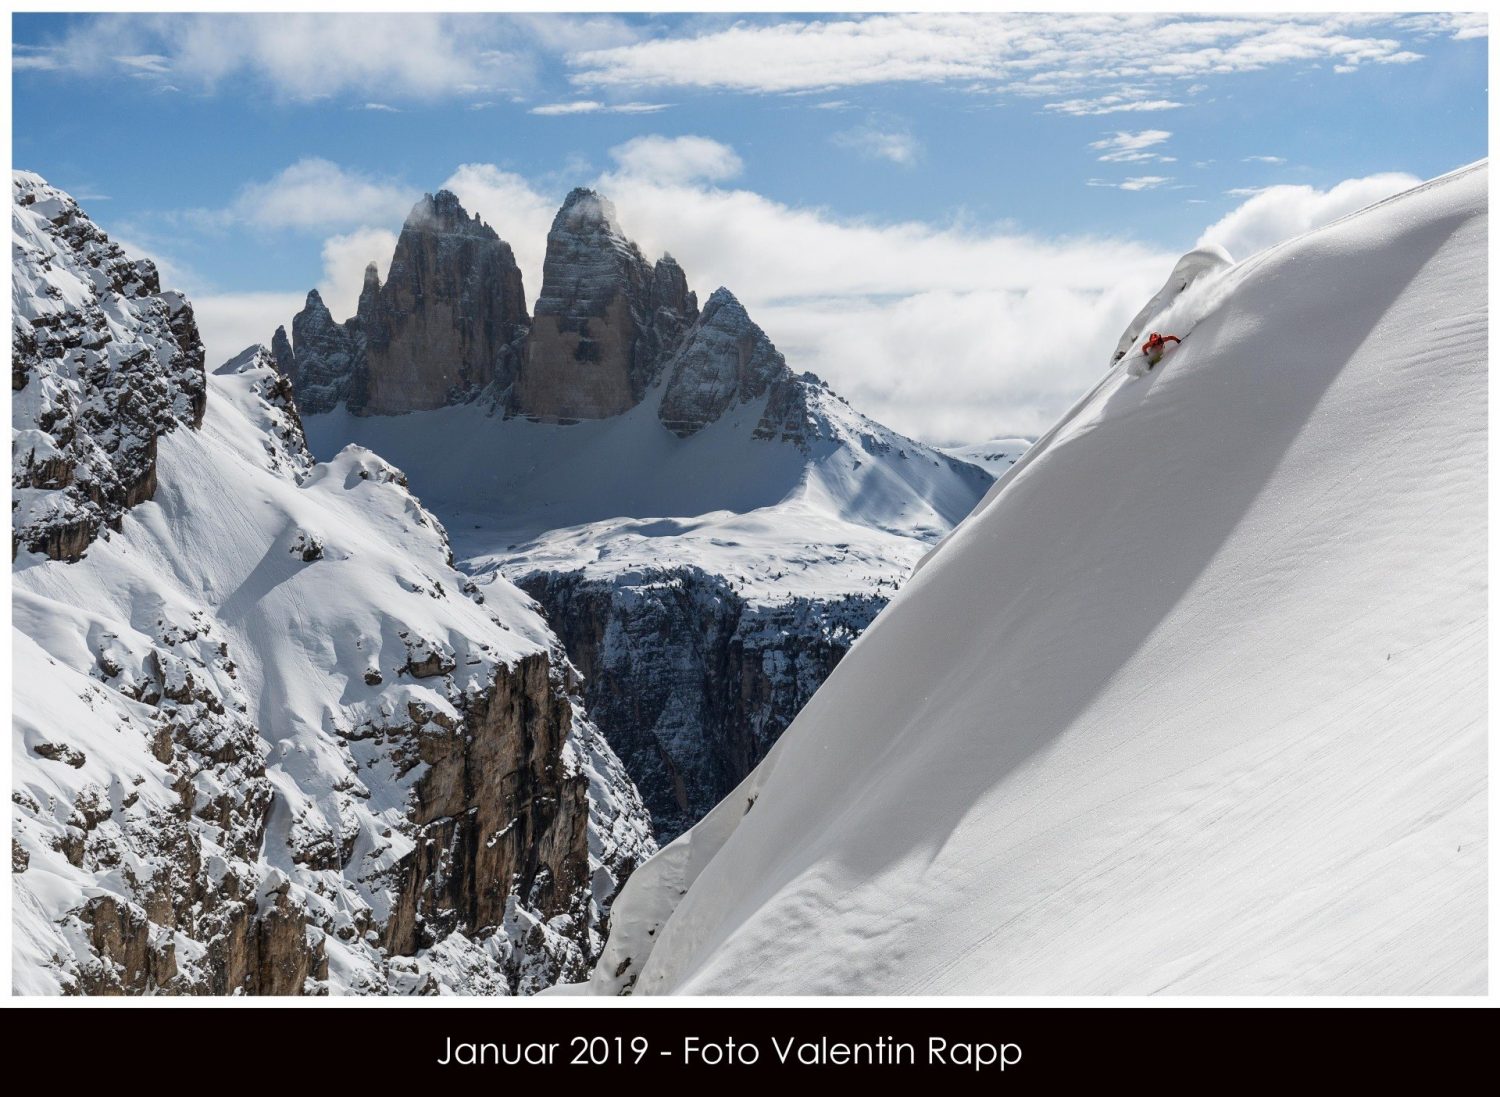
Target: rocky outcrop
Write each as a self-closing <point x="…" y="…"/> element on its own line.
<point x="326" y="363"/>
<point x="605" y="321"/>
<point x="103" y="362"/>
<point x="726" y="359"/>
<point x="690" y="683"/>
<point x="449" y="319"/>
<point x="446" y="325"/>
<point x="498" y="829"/>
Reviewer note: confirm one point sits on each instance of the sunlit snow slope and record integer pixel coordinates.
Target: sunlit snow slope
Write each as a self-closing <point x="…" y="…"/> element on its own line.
<point x="1193" y="703"/>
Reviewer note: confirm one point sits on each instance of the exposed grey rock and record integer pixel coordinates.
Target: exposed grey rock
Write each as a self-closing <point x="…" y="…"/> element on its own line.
<point x="605" y="321"/>
<point x="726" y="359"/>
<point x="447" y="324"/>
<point x="103" y="362"/>
<point x="449" y="319"/>
<point x="691" y="684"/>
<point x="329" y="359"/>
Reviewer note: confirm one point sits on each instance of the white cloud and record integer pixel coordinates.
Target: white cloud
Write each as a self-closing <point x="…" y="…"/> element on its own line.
<point x="316" y="194"/>
<point x="677" y="159"/>
<point x="593" y="106"/>
<point x="1274" y="214"/>
<point x="381" y="107"/>
<point x="1049" y="54"/>
<point x="302" y="56"/>
<point x="1265" y="160"/>
<point x="881" y="142"/>
<point x="1125" y="147"/>
<point x="947" y="331"/>
<point x="512" y="207"/>
<point x="1111" y="104"/>
<point x="1139" y="182"/>
<point x="344" y="260"/>
<point x="230" y="322"/>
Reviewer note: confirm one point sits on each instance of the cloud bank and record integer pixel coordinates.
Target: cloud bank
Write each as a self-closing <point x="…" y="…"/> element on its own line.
<point x="948" y="331"/>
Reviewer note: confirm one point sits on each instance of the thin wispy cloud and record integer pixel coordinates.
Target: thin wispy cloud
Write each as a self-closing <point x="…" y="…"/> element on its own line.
<point x="876" y="141"/>
<point x="1072" y="63"/>
<point x="386" y="107"/>
<point x="1135" y="183"/>
<point x="1265" y="160"/>
<point x="309" y="56"/>
<point x="1123" y="147"/>
<point x="593" y="106"/>
<point x="1111" y="104"/>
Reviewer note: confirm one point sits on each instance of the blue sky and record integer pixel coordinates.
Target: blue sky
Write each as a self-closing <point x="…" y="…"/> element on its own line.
<point x="902" y="201"/>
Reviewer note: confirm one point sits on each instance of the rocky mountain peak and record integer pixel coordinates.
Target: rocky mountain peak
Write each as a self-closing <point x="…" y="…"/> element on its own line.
<point x="583" y="207"/>
<point x="447" y="323"/>
<point x="606" y="319"/>
<point x="443" y="214"/>
<point x="725" y="359"/>
<point x="103" y="362"/>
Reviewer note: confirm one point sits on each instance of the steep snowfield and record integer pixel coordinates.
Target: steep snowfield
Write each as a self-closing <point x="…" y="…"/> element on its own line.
<point x="617" y="495"/>
<point x="1193" y="703"/>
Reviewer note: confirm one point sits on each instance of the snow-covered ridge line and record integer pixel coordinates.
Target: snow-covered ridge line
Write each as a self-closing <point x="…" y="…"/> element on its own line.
<point x="1193" y="703"/>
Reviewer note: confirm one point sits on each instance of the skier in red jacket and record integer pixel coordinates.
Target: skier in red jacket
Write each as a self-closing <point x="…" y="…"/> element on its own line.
<point x="1155" y="346"/>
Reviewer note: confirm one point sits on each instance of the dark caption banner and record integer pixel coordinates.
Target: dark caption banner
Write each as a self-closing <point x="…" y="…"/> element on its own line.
<point x="959" y="1047"/>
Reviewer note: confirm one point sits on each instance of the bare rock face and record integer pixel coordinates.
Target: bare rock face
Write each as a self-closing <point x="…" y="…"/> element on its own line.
<point x="449" y="319"/>
<point x="605" y="321"/>
<point x="725" y="359"/>
<point x="447" y="324"/>
<point x="691" y="683"/>
<point x="327" y="366"/>
<point x="103" y="362"/>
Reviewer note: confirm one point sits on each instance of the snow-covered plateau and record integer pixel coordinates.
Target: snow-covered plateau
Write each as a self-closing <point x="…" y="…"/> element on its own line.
<point x="1194" y="701"/>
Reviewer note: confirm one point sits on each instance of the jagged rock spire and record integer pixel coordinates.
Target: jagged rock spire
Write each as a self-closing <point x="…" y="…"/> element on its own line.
<point x="447" y="323"/>
<point x="606" y="319"/>
<point x="726" y="359"/>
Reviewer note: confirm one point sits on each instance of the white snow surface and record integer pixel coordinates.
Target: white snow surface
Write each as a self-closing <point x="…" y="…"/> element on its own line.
<point x="852" y="512"/>
<point x="1201" y="264"/>
<point x="1194" y="702"/>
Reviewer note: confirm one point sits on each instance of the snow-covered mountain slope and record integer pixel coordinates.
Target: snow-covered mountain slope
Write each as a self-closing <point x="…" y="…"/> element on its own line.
<point x="704" y="585"/>
<point x="268" y="740"/>
<point x="1193" y="703"/>
<point x="996" y="455"/>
